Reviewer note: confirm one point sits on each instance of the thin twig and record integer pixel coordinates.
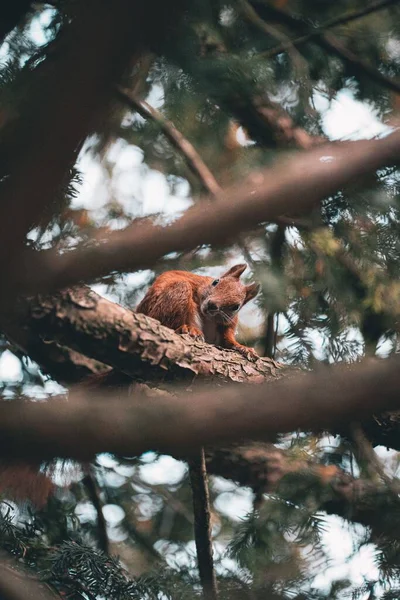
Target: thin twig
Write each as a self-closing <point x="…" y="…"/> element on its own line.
<point x="330" y="43"/>
<point x="93" y="491"/>
<point x="192" y="157"/>
<point x="252" y="17"/>
<point x="335" y="22"/>
<point x="202" y="525"/>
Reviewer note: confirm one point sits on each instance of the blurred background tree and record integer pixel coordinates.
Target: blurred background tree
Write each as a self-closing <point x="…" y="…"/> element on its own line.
<point x="226" y="88"/>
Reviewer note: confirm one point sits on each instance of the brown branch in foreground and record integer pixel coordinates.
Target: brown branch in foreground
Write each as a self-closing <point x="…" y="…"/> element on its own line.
<point x="335" y="22"/>
<point x="85" y="426"/>
<point x="295" y="185"/>
<point x="91" y="51"/>
<point x="202" y="525"/>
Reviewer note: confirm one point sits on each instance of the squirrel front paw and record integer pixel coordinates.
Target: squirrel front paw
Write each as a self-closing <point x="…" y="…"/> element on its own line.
<point x="247" y="352"/>
<point x="192" y="331"/>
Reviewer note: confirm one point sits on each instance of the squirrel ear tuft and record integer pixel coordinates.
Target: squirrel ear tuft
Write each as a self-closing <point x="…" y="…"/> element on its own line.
<point x="235" y="271"/>
<point x="251" y="291"/>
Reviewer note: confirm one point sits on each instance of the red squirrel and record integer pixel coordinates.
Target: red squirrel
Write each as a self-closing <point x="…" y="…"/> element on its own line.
<point x="203" y="307"/>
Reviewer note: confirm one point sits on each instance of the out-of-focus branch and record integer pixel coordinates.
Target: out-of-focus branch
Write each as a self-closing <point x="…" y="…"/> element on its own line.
<point x="89" y="54"/>
<point x="254" y="19"/>
<point x="17" y="583"/>
<point x="93" y="491"/>
<point x="294" y="185"/>
<point x="202" y="525"/>
<point x="330" y="43"/>
<point x="85" y="426"/>
<point x="345" y="19"/>
<point x="192" y="157"/>
<point x="267" y="469"/>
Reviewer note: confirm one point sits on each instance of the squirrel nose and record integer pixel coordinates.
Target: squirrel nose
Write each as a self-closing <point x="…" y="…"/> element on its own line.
<point x="211" y="306"/>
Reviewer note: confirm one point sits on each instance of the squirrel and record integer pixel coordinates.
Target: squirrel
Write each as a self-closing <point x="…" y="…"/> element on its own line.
<point x="201" y="306"/>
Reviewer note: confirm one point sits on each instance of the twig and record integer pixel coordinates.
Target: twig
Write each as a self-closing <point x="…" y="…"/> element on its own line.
<point x="329" y="42"/>
<point x="90" y="482"/>
<point x="202" y="525"/>
<point x="335" y="22"/>
<point x="251" y="15"/>
<point x="192" y="157"/>
<point x="277" y="247"/>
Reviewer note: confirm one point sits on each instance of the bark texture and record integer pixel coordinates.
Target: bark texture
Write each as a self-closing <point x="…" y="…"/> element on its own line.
<point x="135" y="344"/>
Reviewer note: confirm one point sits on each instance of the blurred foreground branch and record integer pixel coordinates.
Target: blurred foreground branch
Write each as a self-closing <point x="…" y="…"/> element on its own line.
<point x="85" y="426"/>
<point x="295" y="185"/>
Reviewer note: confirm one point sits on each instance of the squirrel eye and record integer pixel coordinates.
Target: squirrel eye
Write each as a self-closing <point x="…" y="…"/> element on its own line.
<point x="215" y="282"/>
<point x="234" y="307"/>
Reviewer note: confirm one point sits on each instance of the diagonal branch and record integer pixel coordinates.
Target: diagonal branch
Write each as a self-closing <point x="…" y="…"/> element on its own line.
<point x="294" y="185"/>
<point x="330" y="43"/>
<point x="345" y="19"/>
<point x="192" y="157"/>
<point x="18" y="583"/>
<point x="267" y="469"/>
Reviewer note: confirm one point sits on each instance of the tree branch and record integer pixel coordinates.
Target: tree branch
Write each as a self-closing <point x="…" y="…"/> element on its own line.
<point x="296" y="184"/>
<point x="133" y="343"/>
<point x="85" y="425"/>
<point x="88" y="55"/>
<point x="202" y="525"/>
<point x="188" y="151"/>
<point x="345" y="19"/>
<point x="267" y="469"/>
<point x="330" y="43"/>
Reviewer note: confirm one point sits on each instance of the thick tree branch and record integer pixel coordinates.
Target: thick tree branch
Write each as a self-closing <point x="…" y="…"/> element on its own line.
<point x="295" y="185"/>
<point x="84" y="426"/>
<point x="133" y="343"/>
<point x="88" y="55"/>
